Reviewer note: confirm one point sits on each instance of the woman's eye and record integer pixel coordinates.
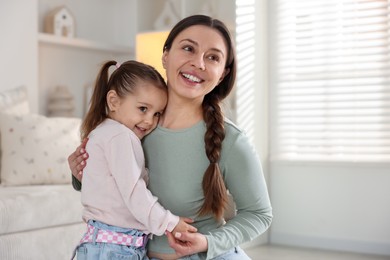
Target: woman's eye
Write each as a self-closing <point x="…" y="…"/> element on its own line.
<point x="214" y="58"/>
<point x="143" y="109"/>
<point x="188" y="48"/>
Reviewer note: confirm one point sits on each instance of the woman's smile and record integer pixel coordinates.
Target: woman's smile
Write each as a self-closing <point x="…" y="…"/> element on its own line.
<point x="192" y="78"/>
<point x="196" y="62"/>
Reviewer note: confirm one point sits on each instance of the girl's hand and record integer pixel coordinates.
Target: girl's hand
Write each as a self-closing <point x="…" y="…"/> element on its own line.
<point x="187" y="243"/>
<point x="184" y="226"/>
<point x="77" y="160"/>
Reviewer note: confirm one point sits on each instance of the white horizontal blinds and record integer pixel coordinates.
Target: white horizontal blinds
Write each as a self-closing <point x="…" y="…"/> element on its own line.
<point x="245" y="83"/>
<point x="333" y="80"/>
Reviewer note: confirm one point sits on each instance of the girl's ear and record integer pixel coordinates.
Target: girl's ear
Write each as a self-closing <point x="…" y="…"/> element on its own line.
<point x="113" y="101"/>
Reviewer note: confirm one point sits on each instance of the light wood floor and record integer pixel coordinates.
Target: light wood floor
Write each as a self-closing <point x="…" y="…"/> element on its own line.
<point x="268" y="252"/>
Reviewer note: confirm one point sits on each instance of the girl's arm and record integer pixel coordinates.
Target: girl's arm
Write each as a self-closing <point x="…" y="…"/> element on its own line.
<point x="125" y="161"/>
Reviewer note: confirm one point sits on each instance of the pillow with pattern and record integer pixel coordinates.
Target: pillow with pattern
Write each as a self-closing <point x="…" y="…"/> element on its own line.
<point x="35" y="148"/>
<point x="14" y="101"/>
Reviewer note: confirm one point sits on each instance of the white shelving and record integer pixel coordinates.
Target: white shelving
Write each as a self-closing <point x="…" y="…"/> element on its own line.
<point x="104" y="30"/>
<point x="45" y="38"/>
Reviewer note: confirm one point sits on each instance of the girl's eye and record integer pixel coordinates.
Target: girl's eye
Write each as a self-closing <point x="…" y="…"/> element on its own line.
<point x="143" y="109"/>
<point x="158" y="114"/>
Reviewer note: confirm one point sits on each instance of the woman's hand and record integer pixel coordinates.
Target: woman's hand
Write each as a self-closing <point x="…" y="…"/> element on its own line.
<point x="77" y="160"/>
<point x="187" y="243"/>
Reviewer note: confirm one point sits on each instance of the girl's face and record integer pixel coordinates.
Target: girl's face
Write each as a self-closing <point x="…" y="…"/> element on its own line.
<point x="195" y="63"/>
<point x="140" y="110"/>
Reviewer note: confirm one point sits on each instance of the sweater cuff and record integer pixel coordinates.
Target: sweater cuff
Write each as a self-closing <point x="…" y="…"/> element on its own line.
<point x="209" y="253"/>
<point x="76" y="183"/>
<point x="173" y="223"/>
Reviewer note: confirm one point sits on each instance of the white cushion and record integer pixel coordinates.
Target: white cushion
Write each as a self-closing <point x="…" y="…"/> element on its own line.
<point x="35" y="148"/>
<point x="46" y="243"/>
<point x="14" y="101"/>
<point x="25" y="208"/>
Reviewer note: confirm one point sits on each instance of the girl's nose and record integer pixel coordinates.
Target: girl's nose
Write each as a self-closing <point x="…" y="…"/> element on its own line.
<point x="149" y="119"/>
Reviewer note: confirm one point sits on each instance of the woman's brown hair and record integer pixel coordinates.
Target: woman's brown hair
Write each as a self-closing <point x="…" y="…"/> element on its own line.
<point x="124" y="79"/>
<point x="213" y="185"/>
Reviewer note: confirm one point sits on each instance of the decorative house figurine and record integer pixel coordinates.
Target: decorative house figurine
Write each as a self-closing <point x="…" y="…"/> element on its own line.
<point x="168" y="17"/>
<point x="61" y="103"/>
<point x="60" y="22"/>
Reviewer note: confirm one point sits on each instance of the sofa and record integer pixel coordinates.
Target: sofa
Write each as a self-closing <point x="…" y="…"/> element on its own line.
<point x="40" y="212"/>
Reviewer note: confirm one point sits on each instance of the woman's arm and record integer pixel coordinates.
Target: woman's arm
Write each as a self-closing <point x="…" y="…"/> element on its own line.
<point x="77" y="162"/>
<point x="244" y="178"/>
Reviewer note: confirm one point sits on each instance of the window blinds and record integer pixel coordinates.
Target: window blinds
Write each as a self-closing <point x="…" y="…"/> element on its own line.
<point x="332" y="81"/>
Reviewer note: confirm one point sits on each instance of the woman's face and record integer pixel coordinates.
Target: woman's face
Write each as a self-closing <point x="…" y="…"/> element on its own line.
<point x="195" y="64"/>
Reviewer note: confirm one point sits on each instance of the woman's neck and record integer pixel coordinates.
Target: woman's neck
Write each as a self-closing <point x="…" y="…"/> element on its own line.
<point x="181" y="114"/>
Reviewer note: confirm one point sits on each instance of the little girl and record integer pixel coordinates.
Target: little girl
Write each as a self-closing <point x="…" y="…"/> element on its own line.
<point x="119" y="209"/>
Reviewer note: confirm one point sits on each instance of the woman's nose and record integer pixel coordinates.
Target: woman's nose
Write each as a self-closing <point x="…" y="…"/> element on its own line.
<point x="198" y="61"/>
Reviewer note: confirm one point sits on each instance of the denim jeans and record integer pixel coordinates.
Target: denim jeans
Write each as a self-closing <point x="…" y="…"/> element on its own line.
<point x="233" y="254"/>
<point x="109" y="251"/>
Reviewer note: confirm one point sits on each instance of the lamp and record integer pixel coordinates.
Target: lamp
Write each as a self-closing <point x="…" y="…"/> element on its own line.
<point x="149" y="49"/>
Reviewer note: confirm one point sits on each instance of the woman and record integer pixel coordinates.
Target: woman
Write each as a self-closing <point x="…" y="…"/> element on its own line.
<point x="195" y="155"/>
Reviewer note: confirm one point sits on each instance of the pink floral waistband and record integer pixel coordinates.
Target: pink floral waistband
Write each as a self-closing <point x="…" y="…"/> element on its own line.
<point x="106" y="236"/>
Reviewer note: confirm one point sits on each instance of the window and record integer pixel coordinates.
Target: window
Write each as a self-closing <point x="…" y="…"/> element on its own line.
<point x="245" y="44"/>
<point x="330" y="89"/>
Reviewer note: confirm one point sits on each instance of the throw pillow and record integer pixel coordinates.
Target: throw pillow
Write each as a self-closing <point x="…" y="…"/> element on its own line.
<point x="14" y="101"/>
<point x="35" y="148"/>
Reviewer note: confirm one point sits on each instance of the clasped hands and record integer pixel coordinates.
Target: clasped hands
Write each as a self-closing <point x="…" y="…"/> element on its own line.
<point x="187" y="243"/>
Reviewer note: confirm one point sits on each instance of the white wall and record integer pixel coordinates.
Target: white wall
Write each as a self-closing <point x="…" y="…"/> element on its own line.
<point x="18" y="47"/>
<point x="341" y="207"/>
<point x="261" y="84"/>
<point x="335" y="206"/>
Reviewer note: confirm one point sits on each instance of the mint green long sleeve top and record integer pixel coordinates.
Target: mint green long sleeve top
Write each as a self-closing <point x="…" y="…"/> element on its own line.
<point x="177" y="161"/>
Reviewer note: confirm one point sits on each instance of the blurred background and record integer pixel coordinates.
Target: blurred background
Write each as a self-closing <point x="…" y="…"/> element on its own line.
<point x="312" y="92"/>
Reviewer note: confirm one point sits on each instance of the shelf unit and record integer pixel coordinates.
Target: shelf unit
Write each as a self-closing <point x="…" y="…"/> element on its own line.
<point x="105" y="32"/>
<point x="45" y="38"/>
